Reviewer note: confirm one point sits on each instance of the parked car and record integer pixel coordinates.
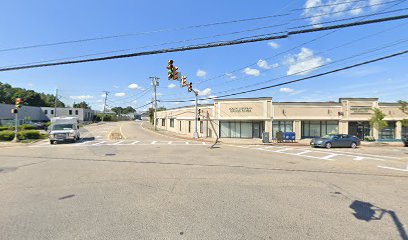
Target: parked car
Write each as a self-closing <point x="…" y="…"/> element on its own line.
<point x="405" y="141"/>
<point x="336" y="140"/>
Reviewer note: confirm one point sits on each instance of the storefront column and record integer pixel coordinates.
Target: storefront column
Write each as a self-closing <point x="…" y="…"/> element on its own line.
<point x="343" y="127"/>
<point x="398" y="130"/>
<point x="268" y="127"/>
<point x="297" y="128"/>
<point x="376" y="134"/>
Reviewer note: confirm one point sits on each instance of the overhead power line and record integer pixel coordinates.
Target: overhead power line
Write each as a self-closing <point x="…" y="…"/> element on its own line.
<point x="211" y="45"/>
<point x="202" y="25"/>
<point x="302" y="79"/>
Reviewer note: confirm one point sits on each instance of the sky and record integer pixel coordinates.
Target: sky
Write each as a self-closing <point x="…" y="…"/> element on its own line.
<point x="151" y="25"/>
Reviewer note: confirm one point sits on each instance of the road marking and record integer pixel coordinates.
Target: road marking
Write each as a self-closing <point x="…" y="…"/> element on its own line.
<point x="396" y="169"/>
<point x="154" y="142"/>
<point x="117" y="143"/>
<point x="293" y="154"/>
<point x="330" y="156"/>
<point x="98" y="143"/>
<point x="120" y="130"/>
<point x="187" y="143"/>
<point x="170" y="142"/>
<point x="135" y="142"/>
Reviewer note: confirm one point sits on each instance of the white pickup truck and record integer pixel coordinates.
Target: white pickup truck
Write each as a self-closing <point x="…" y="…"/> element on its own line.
<point x="64" y="129"/>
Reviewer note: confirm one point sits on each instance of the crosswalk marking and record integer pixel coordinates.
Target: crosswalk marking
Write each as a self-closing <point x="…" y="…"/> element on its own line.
<point x="99" y="143"/>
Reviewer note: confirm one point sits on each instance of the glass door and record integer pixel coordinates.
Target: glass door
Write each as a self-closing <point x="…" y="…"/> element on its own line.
<point x="256" y="130"/>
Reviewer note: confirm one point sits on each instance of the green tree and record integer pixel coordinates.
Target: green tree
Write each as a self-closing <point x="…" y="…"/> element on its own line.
<point x="82" y="104"/>
<point x="404" y="109"/>
<point x="151" y="112"/>
<point x="377" y="119"/>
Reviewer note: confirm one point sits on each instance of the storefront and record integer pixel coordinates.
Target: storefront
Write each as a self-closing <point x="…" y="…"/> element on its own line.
<point x="250" y="117"/>
<point x="359" y="129"/>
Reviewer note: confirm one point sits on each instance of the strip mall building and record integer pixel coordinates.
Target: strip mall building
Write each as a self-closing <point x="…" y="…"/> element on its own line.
<point x="249" y="117"/>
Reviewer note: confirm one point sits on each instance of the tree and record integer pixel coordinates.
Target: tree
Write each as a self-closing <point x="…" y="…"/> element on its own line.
<point x="82" y="104"/>
<point x="404" y="109"/>
<point x="377" y="120"/>
<point x="151" y="113"/>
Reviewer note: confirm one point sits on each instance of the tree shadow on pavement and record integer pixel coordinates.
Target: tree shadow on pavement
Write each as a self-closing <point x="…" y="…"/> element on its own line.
<point x="366" y="211"/>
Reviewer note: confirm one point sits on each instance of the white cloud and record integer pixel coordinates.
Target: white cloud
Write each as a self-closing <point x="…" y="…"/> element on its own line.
<point x="304" y="62"/>
<point x="120" y="94"/>
<point x="252" y="72"/>
<point x="231" y="76"/>
<point x="336" y="9"/>
<point x="201" y="73"/>
<point x="172" y="85"/>
<point x="205" y="92"/>
<point x="273" y="45"/>
<point x="134" y="101"/>
<point x="81" y="97"/>
<point x="286" y="90"/>
<point x="114" y="86"/>
<point x="134" y="86"/>
<point x="265" y="65"/>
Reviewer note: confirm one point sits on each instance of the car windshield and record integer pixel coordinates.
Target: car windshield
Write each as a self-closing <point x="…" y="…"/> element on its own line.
<point x="62" y="127"/>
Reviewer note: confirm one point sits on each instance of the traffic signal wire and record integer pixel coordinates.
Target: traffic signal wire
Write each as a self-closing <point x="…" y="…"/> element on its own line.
<point x="302" y="79"/>
<point x="198" y="26"/>
<point x="212" y="44"/>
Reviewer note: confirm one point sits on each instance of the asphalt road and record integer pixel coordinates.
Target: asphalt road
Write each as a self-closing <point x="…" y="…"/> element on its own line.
<point x="149" y="186"/>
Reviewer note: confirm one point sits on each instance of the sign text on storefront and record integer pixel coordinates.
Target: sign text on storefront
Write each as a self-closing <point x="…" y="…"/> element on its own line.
<point x="240" y="109"/>
<point x="360" y="109"/>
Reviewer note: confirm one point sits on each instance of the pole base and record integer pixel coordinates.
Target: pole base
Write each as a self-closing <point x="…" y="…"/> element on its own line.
<point x="195" y="135"/>
<point x="15" y="140"/>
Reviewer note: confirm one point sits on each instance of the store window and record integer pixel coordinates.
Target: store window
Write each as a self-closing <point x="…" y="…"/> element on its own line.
<point x="283" y="126"/>
<point x="163" y="122"/>
<point x="404" y="132"/>
<point x="70" y="112"/>
<point x="201" y="126"/>
<point x="76" y="112"/>
<point x="172" y="122"/>
<point x="45" y="111"/>
<point x="189" y="126"/>
<point x="236" y="129"/>
<point x="388" y="132"/>
<point x="52" y="111"/>
<point x="311" y="129"/>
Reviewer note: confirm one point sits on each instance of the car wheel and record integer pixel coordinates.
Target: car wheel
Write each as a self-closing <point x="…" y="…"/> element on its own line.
<point x="353" y="145"/>
<point x="328" y="145"/>
<point x="52" y="142"/>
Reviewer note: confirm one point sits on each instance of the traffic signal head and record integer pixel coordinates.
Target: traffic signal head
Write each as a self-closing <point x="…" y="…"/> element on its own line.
<point x="14" y="110"/>
<point x="190" y="86"/>
<point x="199" y="112"/>
<point x="170" y="69"/>
<point x="175" y="73"/>
<point x="183" y="81"/>
<point x="19" y="101"/>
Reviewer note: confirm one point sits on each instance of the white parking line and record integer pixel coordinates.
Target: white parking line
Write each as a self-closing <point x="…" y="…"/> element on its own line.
<point x="170" y="142"/>
<point x="98" y="143"/>
<point x="301" y="153"/>
<point x="117" y="143"/>
<point x="153" y="142"/>
<point x="396" y="169"/>
<point x="135" y="142"/>
<point x="330" y="156"/>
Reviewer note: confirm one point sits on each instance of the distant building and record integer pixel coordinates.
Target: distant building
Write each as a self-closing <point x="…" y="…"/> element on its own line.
<point x="41" y="114"/>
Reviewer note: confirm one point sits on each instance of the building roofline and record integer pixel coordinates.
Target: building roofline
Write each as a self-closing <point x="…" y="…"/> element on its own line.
<point x="359" y="99"/>
<point x="242" y="99"/>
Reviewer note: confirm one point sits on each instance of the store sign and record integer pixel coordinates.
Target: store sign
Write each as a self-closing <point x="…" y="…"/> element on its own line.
<point x="240" y="109"/>
<point x="360" y="110"/>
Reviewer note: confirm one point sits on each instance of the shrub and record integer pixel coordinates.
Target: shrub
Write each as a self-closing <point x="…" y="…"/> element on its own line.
<point x="6" y="135"/>
<point x="369" y="139"/>
<point x="2" y="128"/>
<point x="27" y="127"/>
<point x="29" y="134"/>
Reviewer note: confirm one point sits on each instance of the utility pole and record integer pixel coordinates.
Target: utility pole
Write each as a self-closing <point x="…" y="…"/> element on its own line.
<point x="16" y="127"/>
<point x="104" y="104"/>
<point x="55" y="102"/>
<point x="155" y="83"/>
<point x="195" y="135"/>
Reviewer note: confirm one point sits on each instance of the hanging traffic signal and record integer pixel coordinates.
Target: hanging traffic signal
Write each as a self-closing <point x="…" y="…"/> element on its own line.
<point x="170" y="69"/>
<point x="19" y="101"/>
<point x="183" y="81"/>
<point x="14" y="110"/>
<point x="199" y="112"/>
<point x="190" y="86"/>
<point x="175" y="73"/>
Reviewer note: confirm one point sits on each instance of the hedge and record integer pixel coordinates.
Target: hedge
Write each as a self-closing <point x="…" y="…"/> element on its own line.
<point x="29" y="134"/>
<point x="6" y="135"/>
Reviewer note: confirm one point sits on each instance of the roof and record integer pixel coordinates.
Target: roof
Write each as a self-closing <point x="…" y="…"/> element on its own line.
<point x="243" y="99"/>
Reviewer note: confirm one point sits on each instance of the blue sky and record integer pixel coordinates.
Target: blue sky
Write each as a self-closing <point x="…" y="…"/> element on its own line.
<point x="28" y="23"/>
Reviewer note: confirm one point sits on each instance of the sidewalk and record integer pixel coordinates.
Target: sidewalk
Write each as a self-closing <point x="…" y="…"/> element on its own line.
<point x="242" y="141"/>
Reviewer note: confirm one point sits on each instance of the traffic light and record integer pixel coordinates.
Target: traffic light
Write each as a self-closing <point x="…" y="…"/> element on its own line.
<point x="199" y="112"/>
<point x="14" y="110"/>
<point x="19" y="101"/>
<point x="170" y="69"/>
<point x="175" y="73"/>
<point x="190" y="86"/>
<point x="183" y="81"/>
